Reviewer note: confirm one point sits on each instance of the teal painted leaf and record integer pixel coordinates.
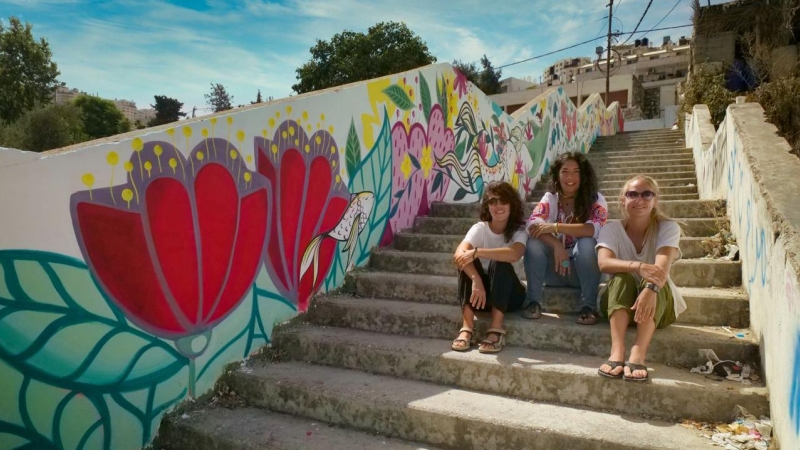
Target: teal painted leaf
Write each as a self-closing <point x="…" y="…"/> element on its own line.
<point x="58" y="328"/>
<point x="414" y="161"/>
<point x="443" y="100"/>
<point x="353" y="150"/>
<point x="537" y="148"/>
<point x="460" y="148"/>
<point x="374" y="174"/>
<point x="460" y="194"/>
<point x="437" y="181"/>
<point x="399" y="97"/>
<point x="425" y="92"/>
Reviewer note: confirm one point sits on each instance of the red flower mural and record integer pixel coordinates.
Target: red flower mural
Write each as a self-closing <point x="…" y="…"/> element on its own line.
<point x="177" y="247"/>
<point x="309" y="198"/>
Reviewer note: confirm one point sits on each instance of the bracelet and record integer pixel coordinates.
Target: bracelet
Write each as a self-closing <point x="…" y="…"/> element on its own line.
<point x="475" y="253"/>
<point x="639" y="268"/>
<point x="653" y="287"/>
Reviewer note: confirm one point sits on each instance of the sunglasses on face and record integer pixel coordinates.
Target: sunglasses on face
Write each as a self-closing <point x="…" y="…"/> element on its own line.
<point x="646" y="195"/>
<point x="494" y="201"/>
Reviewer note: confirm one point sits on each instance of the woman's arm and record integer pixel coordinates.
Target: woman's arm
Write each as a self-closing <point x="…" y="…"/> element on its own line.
<point x="468" y="254"/>
<point x="577" y="230"/>
<point x="656" y="273"/>
<point x="463" y="251"/>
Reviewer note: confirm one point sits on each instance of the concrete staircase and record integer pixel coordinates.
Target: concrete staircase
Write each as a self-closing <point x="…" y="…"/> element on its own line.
<point x="375" y="361"/>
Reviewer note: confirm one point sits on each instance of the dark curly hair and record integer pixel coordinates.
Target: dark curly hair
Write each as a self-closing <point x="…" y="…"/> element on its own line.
<point x="587" y="191"/>
<point x="509" y="195"/>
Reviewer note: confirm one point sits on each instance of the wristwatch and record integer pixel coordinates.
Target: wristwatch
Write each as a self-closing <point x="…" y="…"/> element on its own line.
<point x="653" y="287"/>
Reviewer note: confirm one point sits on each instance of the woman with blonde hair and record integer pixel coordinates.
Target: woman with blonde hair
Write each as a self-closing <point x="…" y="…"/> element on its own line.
<point x="638" y="251"/>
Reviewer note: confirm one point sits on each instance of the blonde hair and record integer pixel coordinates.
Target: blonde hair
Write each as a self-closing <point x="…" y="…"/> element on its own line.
<point x="656" y="214"/>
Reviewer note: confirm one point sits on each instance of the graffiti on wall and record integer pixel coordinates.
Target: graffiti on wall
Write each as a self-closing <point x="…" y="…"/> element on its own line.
<point x="794" y="398"/>
<point x="194" y="241"/>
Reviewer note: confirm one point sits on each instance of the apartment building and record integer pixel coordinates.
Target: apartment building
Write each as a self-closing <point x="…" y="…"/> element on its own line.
<point x="564" y="70"/>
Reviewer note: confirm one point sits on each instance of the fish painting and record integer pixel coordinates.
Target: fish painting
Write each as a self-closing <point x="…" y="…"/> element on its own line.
<point x="351" y="224"/>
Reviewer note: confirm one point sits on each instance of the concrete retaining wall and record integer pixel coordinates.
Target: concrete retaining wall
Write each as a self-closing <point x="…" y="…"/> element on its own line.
<point x="133" y="269"/>
<point x="751" y="167"/>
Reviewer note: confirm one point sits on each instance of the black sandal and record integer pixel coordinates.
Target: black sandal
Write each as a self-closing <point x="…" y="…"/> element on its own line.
<point x="588" y="316"/>
<point x="614" y="365"/>
<point x="533" y="311"/>
<point x="635" y="367"/>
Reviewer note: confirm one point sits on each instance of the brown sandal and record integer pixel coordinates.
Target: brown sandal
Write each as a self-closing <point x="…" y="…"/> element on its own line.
<point x="588" y="316"/>
<point x="467" y="343"/>
<point x="488" y="346"/>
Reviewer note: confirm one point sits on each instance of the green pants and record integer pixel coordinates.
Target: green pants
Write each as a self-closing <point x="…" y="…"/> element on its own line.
<point x="621" y="293"/>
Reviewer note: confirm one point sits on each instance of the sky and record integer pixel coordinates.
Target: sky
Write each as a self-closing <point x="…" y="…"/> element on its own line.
<point x="135" y="49"/>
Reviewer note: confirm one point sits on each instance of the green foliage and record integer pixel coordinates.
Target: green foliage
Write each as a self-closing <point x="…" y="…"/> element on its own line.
<point x="100" y="117"/>
<point x="707" y="87"/>
<point x="386" y="48"/>
<point x="218" y="98"/>
<point x="53" y="126"/>
<point x="780" y="100"/>
<point x="27" y="75"/>
<point x="487" y="80"/>
<point x="259" y="99"/>
<point x="167" y="110"/>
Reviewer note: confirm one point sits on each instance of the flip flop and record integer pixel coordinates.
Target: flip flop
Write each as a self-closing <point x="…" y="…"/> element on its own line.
<point x="635" y="367"/>
<point x="614" y="365"/>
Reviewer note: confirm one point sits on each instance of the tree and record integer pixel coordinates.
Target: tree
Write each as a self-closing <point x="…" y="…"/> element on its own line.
<point x="167" y="110"/>
<point x="469" y="70"/>
<point x="27" y="75"/>
<point x="489" y="81"/>
<point x="386" y="48"/>
<point x="258" y="98"/>
<point x="219" y="99"/>
<point x="53" y="126"/>
<point x="101" y="117"/>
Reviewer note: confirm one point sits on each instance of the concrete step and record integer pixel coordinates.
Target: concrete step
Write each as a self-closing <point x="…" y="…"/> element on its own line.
<point x="252" y="428"/>
<point x="460" y="225"/>
<point x="616" y="185"/>
<point x="446" y="416"/>
<point x="622" y="139"/>
<point x="657" y="132"/>
<point x="672" y="394"/>
<point x="536" y="195"/>
<point x="705" y="306"/>
<point x="691" y="247"/>
<point x="605" y="164"/>
<point x="675" y="345"/>
<point x="644" y="152"/>
<point x="673" y="208"/>
<point x="621" y="176"/>
<point x="685" y="272"/>
<point x="541" y="187"/>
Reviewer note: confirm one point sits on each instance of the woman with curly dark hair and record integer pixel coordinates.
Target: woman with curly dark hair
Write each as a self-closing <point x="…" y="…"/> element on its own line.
<point x="487" y="279"/>
<point x="563" y="232"/>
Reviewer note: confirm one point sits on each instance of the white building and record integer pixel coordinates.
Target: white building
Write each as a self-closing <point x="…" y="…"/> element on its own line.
<point x="563" y="71"/>
<point x="512" y="84"/>
<point x="65" y="95"/>
<point x="127" y="108"/>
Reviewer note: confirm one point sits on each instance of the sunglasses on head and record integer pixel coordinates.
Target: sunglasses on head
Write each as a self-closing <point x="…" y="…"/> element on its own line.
<point x="646" y="195"/>
<point x="494" y="201"/>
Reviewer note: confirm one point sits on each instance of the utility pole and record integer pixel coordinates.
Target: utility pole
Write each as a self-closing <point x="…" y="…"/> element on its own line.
<point x="608" y="54"/>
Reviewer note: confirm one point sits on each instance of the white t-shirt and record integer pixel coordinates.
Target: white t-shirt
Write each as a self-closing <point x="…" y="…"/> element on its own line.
<point x="614" y="238"/>
<point x="481" y="236"/>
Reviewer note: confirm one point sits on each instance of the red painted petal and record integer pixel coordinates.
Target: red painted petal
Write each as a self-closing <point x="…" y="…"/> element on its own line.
<point x="319" y="187"/>
<point x="169" y="214"/>
<point x="274" y="252"/>
<point x="292" y="181"/>
<point x="247" y="255"/>
<point x="116" y="249"/>
<point x="217" y="209"/>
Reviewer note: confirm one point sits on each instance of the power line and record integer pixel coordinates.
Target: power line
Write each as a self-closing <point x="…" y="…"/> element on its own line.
<point x="667" y="15"/>
<point x="585" y="42"/>
<point x="640" y="21"/>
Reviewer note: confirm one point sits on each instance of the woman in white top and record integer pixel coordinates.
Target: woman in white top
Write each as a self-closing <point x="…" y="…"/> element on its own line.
<point x="639" y="251"/>
<point x="487" y="279"/>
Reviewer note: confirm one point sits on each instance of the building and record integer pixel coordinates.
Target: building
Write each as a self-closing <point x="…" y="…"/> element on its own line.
<point x="144" y="116"/>
<point x="625" y="89"/>
<point x="564" y="70"/>
<point x="658" y="69"/>
<point x="127" y="108"/>
<point x="512" y="84"/>
<point x="65" y="95"/>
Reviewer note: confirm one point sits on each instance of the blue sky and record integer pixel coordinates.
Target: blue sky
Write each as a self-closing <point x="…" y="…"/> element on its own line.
<point x="134" y="49"/>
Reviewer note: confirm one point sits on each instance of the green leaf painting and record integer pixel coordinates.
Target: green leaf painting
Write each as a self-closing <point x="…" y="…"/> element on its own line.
<point x="399" y="97"/>
<point x="374" y="174"/>
<point x="353" y="150"/>
<point x="425" y="93"/>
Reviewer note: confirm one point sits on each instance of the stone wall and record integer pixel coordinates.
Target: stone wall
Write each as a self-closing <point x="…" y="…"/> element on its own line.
<point x="751" y="167"/>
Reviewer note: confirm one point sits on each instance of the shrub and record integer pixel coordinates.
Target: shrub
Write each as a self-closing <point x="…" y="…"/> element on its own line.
<point x="781" y="102"/>
<point x="707" y="87"/>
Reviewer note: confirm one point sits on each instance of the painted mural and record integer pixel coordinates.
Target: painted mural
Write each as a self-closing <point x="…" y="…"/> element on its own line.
<point x="128" y="283"/>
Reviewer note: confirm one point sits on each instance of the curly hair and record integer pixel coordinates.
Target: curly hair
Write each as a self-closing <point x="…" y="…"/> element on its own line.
<point x="587" y="191"/>
<point x="509" y="195"/>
